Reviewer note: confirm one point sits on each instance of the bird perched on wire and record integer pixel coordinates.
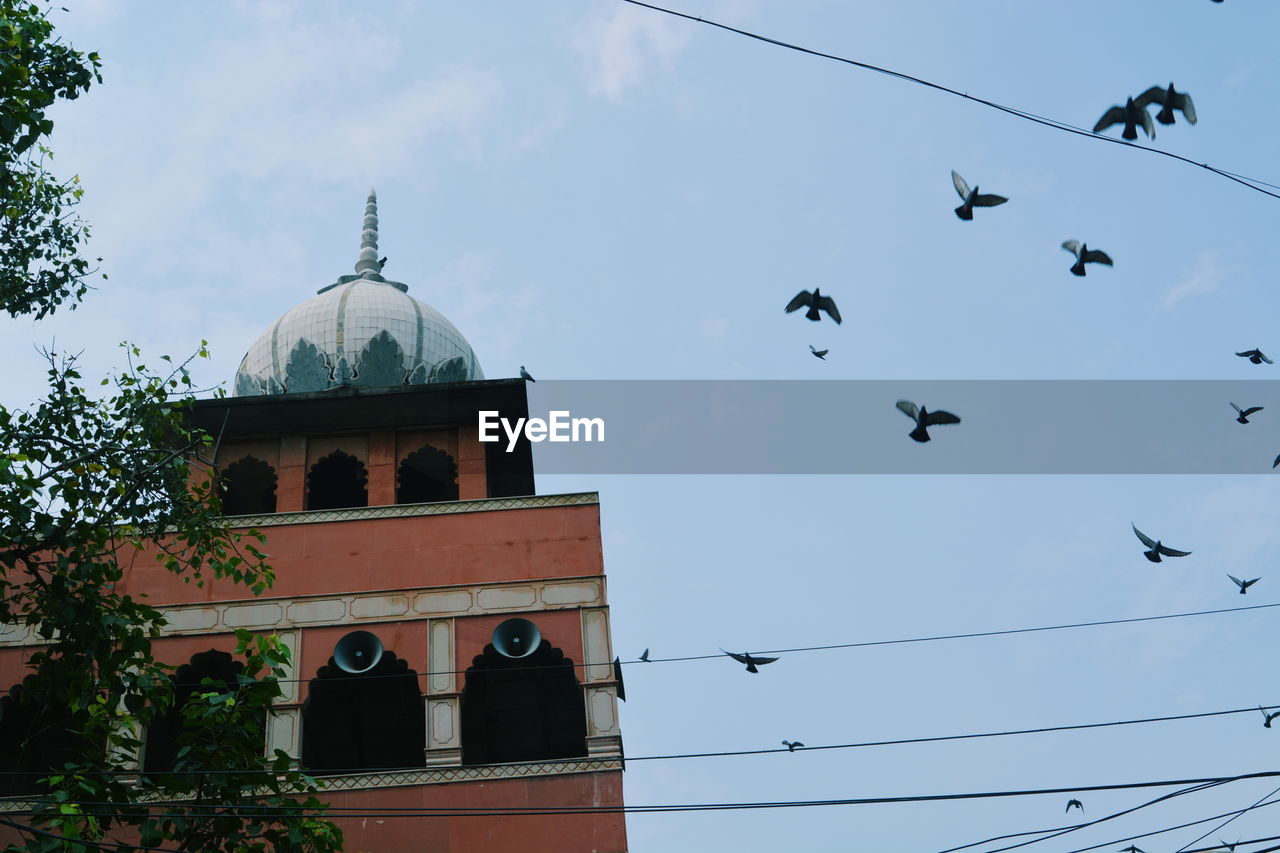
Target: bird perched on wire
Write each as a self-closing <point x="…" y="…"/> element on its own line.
<point x="1132" y="849"/>
<point x="1075" y="804"/>
<point x="970" y="198"/>
<point x="792" y="745"/>
<point x="816" y="302"/>
<point x="1169" y="99"/>
<point x="645" y="657"/>
<point x="524" y="374"/>
<point x="924" y="418"/>
<point x="1244" y="585"/>
<point x="1132" y="115"/>
<point x="1255" y="356"/>
<point x="750" y="660"/>
<point x="1085" y="255"/>
<point x="1267" y="718"/>
<point x="1242" y="415"/>
<point x="1157" y="547"/>
<point x="820" y="353"/>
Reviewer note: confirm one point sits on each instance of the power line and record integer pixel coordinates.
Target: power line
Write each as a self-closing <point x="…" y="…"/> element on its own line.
<point x="1183" y="848"/>
<point x="91" y="845"/>
<point x="1251" y="183"/>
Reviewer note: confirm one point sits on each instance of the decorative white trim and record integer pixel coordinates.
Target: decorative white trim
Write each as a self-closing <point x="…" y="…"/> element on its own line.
<point x="359" y="513"/>
<point x="437" y="775"/>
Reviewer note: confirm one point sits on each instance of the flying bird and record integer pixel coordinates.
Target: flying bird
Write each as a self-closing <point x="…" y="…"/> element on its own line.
<point x="1085" y="255"/>
<point x="1267" y="718"/>
<point x="1156" y="547"/>
<point x="645" y="657"/>
<point x="792" y="744"/>
<point x="820" y="353"/>
<point x="1244" y="413"/>
<point x="924" y="418"/>
<point x="1075" y="804"/>
<point x="749" y="660"/>
<point x="1255" y="356"/>
<point x="1132" y="115"/>
<point x="970" y="198"/>
<point x="524" y="374"/>
<point x="1169" y="99"/>
<point x="1244" y="585"/>
<point x="816" y="302"/>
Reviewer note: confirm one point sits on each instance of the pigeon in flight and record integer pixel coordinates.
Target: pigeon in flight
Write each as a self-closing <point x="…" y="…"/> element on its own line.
<point x="924" y="418"/>
<point x="792" y="744"/>
<point x="749" y="660"/>
<point x="1075" y="804"/>
<point x="971" y="198"/>
<point x="1255" y="356"/>
<point x="1085" y="255"/>
<point x="816" y="302"/>
<point x="1132" y="115"/>
<point x="1267" y="718"/>
<point x="645" y="657"/>
<point x="1157" y="548"/>
<point x="524" y="374"/>
<point x="1244" y="585"/>
<point x="1244" y="413"/>
<point x="1169" y="99"/>
<point x="820" y="353"/>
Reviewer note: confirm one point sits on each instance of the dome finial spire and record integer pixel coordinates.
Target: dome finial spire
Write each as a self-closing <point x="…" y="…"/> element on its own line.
<point x="367" y="265"/>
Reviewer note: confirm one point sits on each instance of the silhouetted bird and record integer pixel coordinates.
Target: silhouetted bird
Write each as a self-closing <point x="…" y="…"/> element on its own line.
<point x="820" y="353"/>
<point x="1076" y="804"/>
<point x="524" y="374"/>
<point x="1244" y="585"/>
<point x="1255" y="356"/>
<point x="749" y="660"/>
<point x="1267" y="718"/>
<point x="1132" y="115"/>
<point x="382" y="263"/>
<point x="1230" y="848"/>
<point x="971" y="198"/>
<point x="1085" y="255"/>
<point x="645" y="657"/>
<point x="1243" y="414"/>
<point x="816" y="302"/>
<point x="1156" y="547"/>
<point x="1132" y="849"/>
<point x="791" y="745"/>
<point x="1169" y="99"/>
<point x="1277" y="462"/>
<point x="924" y="418"/>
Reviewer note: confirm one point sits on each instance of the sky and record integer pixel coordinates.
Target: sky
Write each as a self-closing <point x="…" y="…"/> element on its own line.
<point x="603" y="192"/>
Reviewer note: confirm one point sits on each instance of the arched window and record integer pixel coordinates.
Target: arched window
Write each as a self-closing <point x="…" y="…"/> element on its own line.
<point x="372" y="721"/>
<point x="336" y="481"/>
<point x="425" y="476"/>
<point x="36" y="739"/>
<point x="162" y="744"/>
<point x="522" y="709"/>
<point x="248" y="487"/>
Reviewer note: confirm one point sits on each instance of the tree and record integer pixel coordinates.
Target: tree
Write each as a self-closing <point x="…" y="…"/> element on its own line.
<point x="87" y="479"/>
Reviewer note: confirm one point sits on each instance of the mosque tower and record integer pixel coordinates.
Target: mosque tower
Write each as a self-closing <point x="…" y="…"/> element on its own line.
<point x="449" y="628"/>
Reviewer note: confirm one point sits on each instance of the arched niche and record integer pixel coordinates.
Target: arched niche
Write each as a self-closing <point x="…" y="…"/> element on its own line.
<point x="37" y="738"/>
<point x="160" y="752"/>
<point x="425" y="476"/>
<point x="375" y="720"/>
<point x="522" y="709"/>
<point x="248" y="487"/>
<point x="336" y="481"/>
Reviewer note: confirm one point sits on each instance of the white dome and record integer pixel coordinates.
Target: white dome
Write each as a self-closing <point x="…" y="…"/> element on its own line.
<point x="363" y="330"/>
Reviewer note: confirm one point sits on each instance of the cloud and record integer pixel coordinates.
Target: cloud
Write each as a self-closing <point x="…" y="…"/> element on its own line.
<point x="1205" y="277"/>
<point x="621" y="46"/>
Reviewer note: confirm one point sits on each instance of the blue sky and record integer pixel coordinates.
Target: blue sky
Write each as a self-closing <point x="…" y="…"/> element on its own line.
<point x="601" y="192"/>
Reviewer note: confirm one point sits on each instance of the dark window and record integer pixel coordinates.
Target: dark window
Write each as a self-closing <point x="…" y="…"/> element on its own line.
<point x="248" y="487"/>
<point x="372" y="721"/>
<point x="161" y="751"/>
<point x="336" y="481"/>
<point x="425" y="476"/>
<point x="36" y="739"/>
<point x="522" y="709"/>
